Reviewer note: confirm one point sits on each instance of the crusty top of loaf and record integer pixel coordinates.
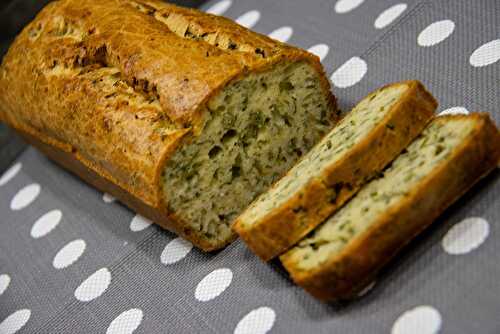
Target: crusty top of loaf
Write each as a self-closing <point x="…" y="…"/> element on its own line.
<point x="159" y="45"/>
<point x="125" y="80"/>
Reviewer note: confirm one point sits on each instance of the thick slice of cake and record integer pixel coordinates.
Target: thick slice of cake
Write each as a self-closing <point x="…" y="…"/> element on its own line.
<point x="343" y="254"/>
<point x="357" y="149"/>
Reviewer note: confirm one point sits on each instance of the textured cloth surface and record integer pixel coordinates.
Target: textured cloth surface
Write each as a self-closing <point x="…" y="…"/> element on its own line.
<point x="72" y="260"/>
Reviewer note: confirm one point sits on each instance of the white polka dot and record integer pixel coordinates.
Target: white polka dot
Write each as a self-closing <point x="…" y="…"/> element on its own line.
<point x="420" y="320"/>
<point x="139" y="223"/>
<point x="389" y="15"/>
<point x="344" y="6"/>
<point x="486" y="54"/>
<point x="249" y="19"/>
<point x="69" y="254"/>
<point x="175" y="251"/>
<point x="220" y="7"/>
<point x="46" y="223"/>
<point x="466" y="236"/>
<point x="320" y="50"/>
<point x="15" y="321"/>
<point x="25" y="196"/>
<point x="10" y="173"/>
<point x="454" y="111"/>
<point x="367" y="289"/>
<point x="94" y="285"/>
<point x="107" y="198"/>
<point x="258" y="321"/>
<point x="350" y="73"/>
<point x="282" y="34"/>
<point x="436" y="33"/>
<point x="213" y="284"/>
<point x="126" y="323"/>
<point x="4" y="283"/>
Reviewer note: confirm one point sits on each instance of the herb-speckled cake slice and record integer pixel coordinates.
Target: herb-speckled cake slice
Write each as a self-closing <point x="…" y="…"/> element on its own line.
<point x="343" y="254"/>
<point x="359" y="147"/>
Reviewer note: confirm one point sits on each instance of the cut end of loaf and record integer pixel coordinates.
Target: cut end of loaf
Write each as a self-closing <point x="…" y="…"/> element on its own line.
<point x="254" y="130"/>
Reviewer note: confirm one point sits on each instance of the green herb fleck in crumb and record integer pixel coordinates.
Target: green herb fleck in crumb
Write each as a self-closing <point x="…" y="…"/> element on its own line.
<point x="439" y="149"/>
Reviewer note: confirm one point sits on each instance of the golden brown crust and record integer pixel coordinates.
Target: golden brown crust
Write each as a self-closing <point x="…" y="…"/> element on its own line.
<point x="115" y="88"/>
<point x="285" y="225"/>
<point x="346" y="274"/>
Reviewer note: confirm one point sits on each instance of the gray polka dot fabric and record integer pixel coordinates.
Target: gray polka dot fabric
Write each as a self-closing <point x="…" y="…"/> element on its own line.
<point x="73" y="260"/>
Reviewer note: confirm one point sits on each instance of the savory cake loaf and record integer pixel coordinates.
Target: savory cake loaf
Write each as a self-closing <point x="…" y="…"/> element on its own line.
<point x="184" y="116"/>
<point x="358" y="148"/>
<point x="344" y="253"/>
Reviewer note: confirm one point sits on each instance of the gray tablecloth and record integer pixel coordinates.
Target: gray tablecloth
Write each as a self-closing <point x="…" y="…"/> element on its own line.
<point x="75" y="261"/>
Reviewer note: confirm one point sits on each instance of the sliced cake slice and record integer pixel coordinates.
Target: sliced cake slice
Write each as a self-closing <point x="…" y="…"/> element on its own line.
<point x="358" y="148"/>
<point x="343" y="254"/>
